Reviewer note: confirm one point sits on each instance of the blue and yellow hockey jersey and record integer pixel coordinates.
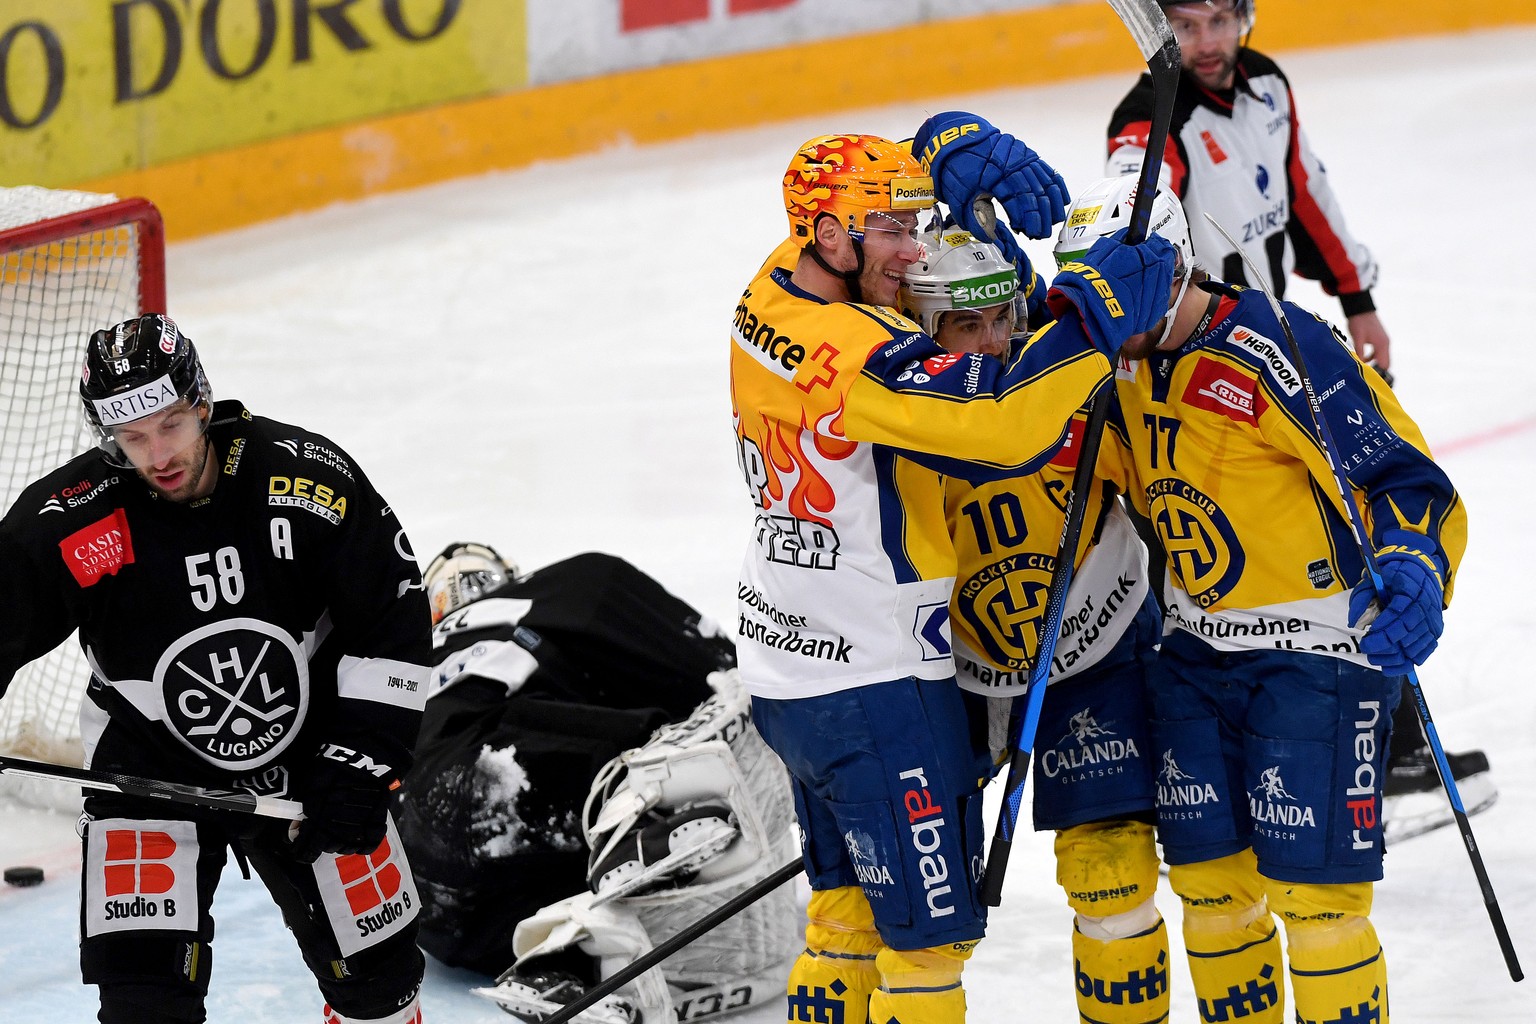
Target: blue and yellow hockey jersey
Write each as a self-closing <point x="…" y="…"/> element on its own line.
<point x="1228" y="466"/>
<point x="847" y="419"/>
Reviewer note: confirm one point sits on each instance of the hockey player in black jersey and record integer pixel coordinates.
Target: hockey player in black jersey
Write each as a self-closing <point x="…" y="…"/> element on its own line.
<point x="254" y="619"/>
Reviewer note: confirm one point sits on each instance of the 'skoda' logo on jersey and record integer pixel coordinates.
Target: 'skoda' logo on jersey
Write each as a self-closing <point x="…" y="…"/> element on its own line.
<point x="235" y="691"/>
<point x="1004" y="603"/>
<point x="1203" y="549"/>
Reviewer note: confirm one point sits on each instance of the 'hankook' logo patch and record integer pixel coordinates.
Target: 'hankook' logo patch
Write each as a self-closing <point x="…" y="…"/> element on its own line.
<point x="235" y="691"/>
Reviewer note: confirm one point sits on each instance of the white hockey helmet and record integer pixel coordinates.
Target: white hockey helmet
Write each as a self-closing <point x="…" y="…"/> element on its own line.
<point x="1105" y="207"/>
<point x="462" y="573"/>
<point x="957" y="271"/>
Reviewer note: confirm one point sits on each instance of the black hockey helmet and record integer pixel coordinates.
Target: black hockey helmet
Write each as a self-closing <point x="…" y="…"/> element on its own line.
<point x="136" y="369"/>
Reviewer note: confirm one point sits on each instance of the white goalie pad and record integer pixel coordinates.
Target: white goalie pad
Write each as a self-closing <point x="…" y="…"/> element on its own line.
<point x="694" y="811"/>
<point x="705" y="809"/>
<point x="741" y="963"/>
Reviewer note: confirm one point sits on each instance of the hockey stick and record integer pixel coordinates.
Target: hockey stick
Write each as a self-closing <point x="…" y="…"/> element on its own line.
<point x="730" y="908"/>
<point x="1363" y="541"/>
<point x="1149" y="27"/>
<point x="133" y="785"/>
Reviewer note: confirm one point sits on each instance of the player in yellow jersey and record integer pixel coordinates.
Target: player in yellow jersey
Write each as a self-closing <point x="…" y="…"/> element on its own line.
<point x="847" y="418"/>
<point x="1274" y="688"/>
<point x="1093" y="756"/>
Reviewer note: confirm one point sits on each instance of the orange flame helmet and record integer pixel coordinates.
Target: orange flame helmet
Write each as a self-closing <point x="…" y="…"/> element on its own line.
<point x="850" y="177"/>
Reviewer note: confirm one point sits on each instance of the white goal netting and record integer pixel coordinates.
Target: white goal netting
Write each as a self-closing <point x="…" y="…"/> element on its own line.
<point x="70" y="263"/>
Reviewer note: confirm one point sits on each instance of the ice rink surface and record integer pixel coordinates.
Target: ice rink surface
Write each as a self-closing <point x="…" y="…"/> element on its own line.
<point x="537" y="359"/>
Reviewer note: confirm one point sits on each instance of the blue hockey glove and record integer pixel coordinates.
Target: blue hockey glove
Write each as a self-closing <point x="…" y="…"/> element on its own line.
<point x="346" y="803"/>
<point x="1407" y="628"/>
<point x="1118" y="289"/>
<point x="970" y="160"/>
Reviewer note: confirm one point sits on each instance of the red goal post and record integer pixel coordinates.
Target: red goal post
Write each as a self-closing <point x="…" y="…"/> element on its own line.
<point x="70" y="263"/>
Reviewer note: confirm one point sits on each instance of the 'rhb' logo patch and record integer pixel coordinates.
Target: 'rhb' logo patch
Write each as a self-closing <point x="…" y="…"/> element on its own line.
<point x="1221" y="389"/>
<point x="98" y="550"/>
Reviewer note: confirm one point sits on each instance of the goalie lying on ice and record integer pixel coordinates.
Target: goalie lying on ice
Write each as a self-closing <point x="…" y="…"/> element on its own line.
<point x="676" y="828"/>
<point x="547" y="688"/>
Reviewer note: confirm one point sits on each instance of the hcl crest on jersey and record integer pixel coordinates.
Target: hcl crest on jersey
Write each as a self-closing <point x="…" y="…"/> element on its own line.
<point x="236" y="692"/>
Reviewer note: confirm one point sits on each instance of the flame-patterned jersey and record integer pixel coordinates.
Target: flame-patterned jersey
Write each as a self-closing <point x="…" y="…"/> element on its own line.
<point x="227" y="637"/>
<point x="847" y="419"/>
<point x="1228" y="466"/>
<point x="1006" y="534"/>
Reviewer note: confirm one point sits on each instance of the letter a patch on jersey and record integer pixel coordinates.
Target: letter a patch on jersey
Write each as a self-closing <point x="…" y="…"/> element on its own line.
<point x="368" y="897"/>
<point x="140" y="875"/>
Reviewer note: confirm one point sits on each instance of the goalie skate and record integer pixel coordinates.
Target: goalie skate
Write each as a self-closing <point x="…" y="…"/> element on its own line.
<point x="537" y="996"/>
<point x="665" y="853"/>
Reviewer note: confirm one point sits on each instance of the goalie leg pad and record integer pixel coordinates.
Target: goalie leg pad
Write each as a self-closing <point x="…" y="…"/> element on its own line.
<point x="921" y="986"/>
<point x="1338" y="970"/>
<point x="1119" y="944"/>
<point x="1232" y="940"/>
<point x="834" y="977"/>
<point x="612" y="934"/>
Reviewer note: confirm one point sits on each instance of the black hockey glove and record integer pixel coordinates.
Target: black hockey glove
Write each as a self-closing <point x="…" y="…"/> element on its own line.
<point x="346" y="803"/>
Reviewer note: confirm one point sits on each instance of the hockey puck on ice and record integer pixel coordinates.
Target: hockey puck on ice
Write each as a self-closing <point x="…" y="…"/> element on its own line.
<point x="24" y="876"/>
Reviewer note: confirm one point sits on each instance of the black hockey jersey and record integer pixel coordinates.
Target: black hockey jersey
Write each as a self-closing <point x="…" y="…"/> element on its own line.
<point x="230" y="636"/>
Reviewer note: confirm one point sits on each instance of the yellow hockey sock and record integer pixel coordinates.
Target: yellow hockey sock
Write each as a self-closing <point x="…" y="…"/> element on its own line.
<point x="1119" y="943"/>
<point x="920" y="986"/>
<point x="832" y="980"/>
<point x="1338" y="970"/>
<point x="1232" y="940"/>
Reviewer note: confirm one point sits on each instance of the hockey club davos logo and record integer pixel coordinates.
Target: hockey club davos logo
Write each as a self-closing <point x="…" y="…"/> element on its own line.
<point x="98" y="550"/>
<point x="1203" y="549"/>
<point x="1088" y="751"/>
<point x="1004" y="604"/>
<point x="236" y="692"/>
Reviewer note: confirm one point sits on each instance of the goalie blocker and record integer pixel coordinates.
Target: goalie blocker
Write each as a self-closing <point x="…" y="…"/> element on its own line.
<point x="676" y="828"/>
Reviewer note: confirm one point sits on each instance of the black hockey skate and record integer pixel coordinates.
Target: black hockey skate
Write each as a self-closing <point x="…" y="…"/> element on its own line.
<point x="1413" y="801"/>
<point x="536" y="995"/>
<point x="665" y="852"/>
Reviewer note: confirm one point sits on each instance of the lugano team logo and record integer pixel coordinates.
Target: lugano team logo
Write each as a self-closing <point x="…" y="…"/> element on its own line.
<point x="1004" y="605"/>
<point x="236" y="691"/>
<point x="1203" y="549"/>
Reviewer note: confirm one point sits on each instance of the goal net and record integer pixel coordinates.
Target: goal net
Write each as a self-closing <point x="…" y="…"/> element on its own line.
<point x="70" y="263"/>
